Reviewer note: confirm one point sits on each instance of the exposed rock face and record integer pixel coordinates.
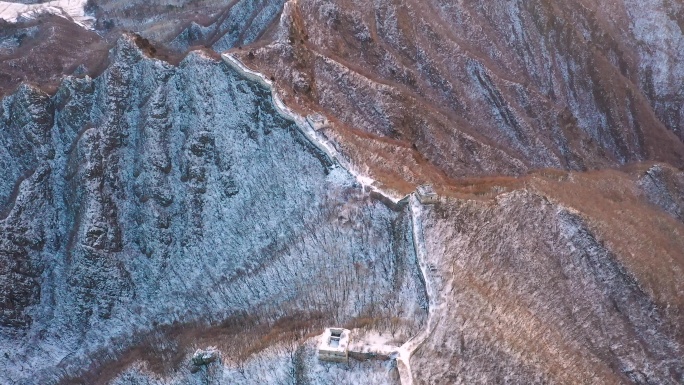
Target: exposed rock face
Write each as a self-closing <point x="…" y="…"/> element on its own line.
<point x="22" y="245"/>
<point x="161" y="195"/>
<point x="26" y="150"/>
<point x="204" y="357"/>
<point x="664" y="188"/>
<point x="482" y="89"/>
<point x="46" y="47"/>
<point x="239" y="24"/>
<point x="222" y="24"/>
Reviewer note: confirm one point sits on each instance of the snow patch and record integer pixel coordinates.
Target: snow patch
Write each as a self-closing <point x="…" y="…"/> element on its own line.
<point x="69" y="9"/>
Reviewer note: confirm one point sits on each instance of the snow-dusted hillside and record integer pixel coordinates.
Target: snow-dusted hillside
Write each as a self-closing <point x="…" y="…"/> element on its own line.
<point x="540" y="287"/>
<point x="158" y="196"/>
<point x="439" y="90"/>
<point x="72" y="9"/>
<point x="167" y="218"/>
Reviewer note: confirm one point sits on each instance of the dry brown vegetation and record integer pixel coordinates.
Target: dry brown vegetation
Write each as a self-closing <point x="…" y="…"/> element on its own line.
<point x="239" y="337"/>
<point x="571" y="277"/>
<point x="415" y="97"/>
<point x="647" y="240"/>
<point x="165" y="350"/>
<point x="47" y="49"/>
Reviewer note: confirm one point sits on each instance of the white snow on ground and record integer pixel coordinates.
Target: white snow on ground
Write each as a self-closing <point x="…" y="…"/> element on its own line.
<point x="380" y="345"/>
<point x="276" y="228"/>
<point x="72" y="9"/>
<point x="278" y="364"/>
<point x="373" y="342"/>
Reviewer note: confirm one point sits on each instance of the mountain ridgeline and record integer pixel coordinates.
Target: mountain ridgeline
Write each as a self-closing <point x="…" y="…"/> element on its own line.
<point x="156" y="202"/>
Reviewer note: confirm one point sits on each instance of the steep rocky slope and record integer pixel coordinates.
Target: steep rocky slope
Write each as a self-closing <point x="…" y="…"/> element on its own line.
<point x="540" y="285"/>
<point x="184" y="23"/>
<point x="566" y="278"/>
<point x="42" y="51"/>
<point x="432" y="90"/>
<point x="43" y="48"/>
<point x="157" y="196"/>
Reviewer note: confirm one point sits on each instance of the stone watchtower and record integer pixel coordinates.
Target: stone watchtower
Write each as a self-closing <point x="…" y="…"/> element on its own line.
<point x="334" y="345"/>
<point x="426" y="194"/>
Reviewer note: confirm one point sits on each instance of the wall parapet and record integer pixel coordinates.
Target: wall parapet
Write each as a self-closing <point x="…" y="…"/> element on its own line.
<point x="308" y="127"/>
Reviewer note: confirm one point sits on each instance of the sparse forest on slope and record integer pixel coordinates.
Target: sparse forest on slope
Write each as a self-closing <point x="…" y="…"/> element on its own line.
<point x="155" y="201"/>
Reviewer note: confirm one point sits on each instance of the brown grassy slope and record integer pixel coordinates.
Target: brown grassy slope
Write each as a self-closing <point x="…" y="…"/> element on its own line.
<point x="432" y="90"/>
<point x="42" y="51"/>
<point x="575" y="278"/>
<point x="648" y="241"/>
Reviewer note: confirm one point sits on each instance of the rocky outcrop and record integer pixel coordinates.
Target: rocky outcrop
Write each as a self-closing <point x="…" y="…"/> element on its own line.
<point x="664" y="187"/>
<point x="24" y="193"/>
<point x="22" y="247"/>
<point x="205" y="357"/>
<point x="202" y="358"/>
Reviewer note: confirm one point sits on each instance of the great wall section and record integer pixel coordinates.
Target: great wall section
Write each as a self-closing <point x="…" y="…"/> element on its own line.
<point x="403" y="353"/>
